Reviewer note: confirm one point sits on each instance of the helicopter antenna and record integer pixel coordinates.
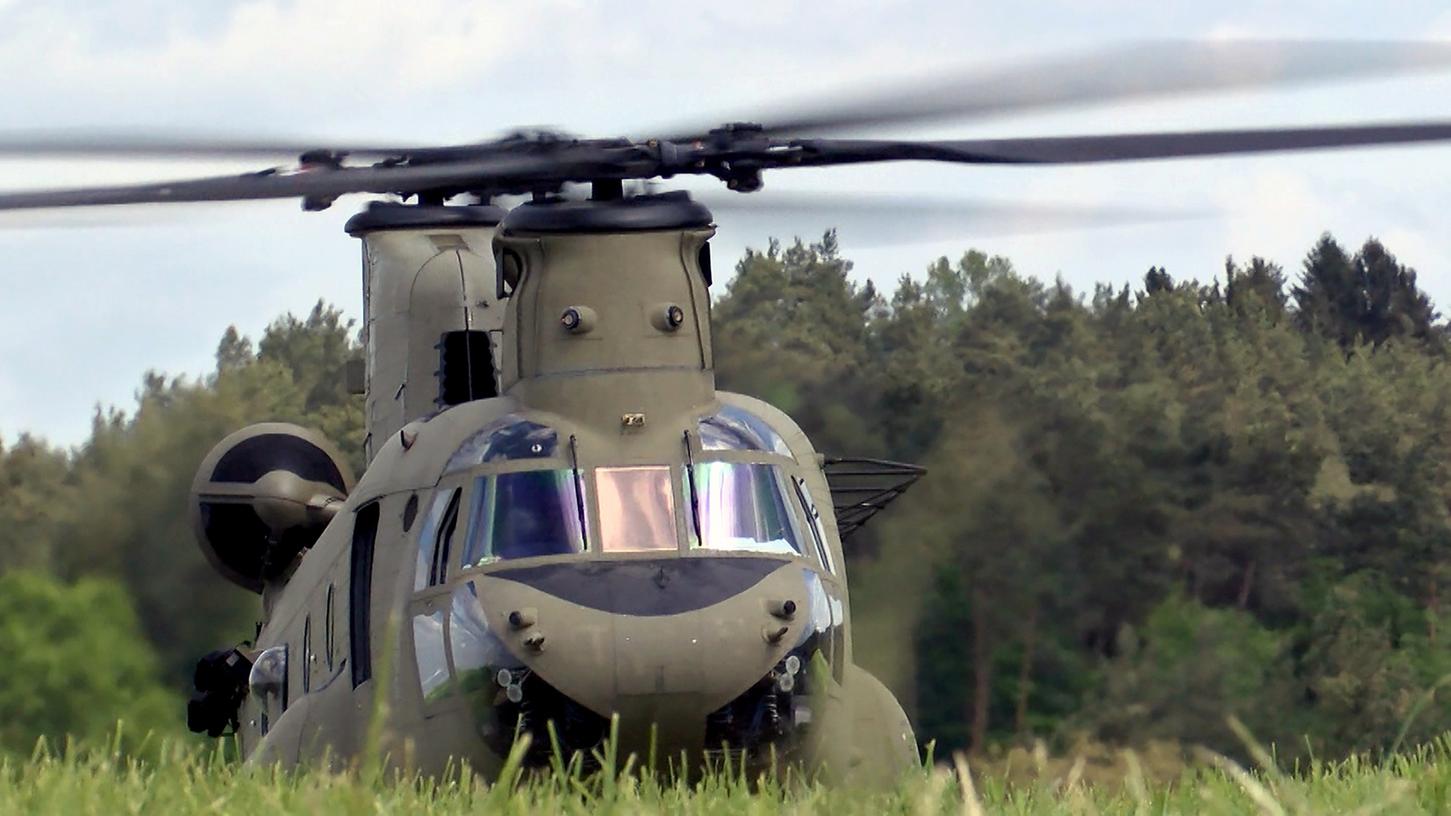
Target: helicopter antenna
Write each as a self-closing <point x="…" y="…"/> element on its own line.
<point x="578" y="491"/>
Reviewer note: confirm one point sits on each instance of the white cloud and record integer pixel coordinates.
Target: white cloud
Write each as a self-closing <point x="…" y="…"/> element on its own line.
<point x="1440" y="27"/>
<point x="291" y="62"/>
<point x="1273" y="213"/>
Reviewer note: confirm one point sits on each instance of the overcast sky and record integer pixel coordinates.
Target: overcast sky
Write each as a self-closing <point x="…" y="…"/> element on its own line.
<point x="88" y="307"/>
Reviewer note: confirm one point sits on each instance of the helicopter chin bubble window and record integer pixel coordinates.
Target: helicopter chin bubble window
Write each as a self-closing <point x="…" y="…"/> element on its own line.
<point x="428" y="649"/>
<point x="475" y="645"/>
<point x="744" y="507"/>
<point x="525" y="514"/>
<point x="637" y="508"/>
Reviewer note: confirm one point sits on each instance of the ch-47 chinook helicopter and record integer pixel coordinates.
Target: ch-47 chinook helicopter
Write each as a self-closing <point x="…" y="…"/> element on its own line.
<point x="562" y="520"/>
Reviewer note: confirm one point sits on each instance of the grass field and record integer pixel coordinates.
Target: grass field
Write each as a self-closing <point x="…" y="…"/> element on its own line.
<point x="97" y="782"/>
<point x="86" y="784"/>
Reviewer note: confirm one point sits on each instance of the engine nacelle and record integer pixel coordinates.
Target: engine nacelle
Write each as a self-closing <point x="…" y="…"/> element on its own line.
<point x="428" y="311"/>
<point x="263" y="495"/>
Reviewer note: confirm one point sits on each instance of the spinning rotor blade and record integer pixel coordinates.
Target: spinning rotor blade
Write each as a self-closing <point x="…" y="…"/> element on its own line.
<point x="1117" y="147"/>
<point x="321" y="183"/>
<point x="735" y="154"/>
<point x="81" y="143"/>
<point x="1141" y="70"/>
<point x="871" y="221"/>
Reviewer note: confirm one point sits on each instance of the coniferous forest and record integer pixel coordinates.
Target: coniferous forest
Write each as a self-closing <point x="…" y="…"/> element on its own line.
<point x="1147" y="507"/>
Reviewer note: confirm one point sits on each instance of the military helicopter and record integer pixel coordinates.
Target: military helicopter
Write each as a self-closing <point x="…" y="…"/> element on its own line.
<point x="564" y="528"/>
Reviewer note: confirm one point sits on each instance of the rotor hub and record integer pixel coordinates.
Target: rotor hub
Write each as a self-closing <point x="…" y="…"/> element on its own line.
<point x="667" y="211"/>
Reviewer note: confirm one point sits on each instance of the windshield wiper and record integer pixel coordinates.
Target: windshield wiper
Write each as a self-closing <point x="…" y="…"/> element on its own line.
<point x="578" y="492"/>
<point x="694" y="500"/>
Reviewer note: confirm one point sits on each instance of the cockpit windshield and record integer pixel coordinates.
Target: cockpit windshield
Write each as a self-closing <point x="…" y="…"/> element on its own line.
<point x="506" y="439"/>
<point x="637" y="508"/>
<point x="525" y="514"/>
<point x="742" y="506"/>
<point x="727" y="506"/>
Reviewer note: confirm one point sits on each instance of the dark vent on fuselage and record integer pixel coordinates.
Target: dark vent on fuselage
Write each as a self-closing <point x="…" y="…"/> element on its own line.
<point x="465" y="368"/>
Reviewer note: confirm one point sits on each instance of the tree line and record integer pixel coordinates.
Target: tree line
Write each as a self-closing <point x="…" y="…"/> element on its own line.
<point x="106" y="601"/>
<point x="1147" y="507"/>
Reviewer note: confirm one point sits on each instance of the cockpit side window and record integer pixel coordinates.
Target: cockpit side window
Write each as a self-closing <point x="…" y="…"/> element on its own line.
<point x="813" y="520"/>
<point x="438" y="571"/>
<point x="524" y="514"/>
<point x="744" y="507"/>
<point x="438" y="526"/>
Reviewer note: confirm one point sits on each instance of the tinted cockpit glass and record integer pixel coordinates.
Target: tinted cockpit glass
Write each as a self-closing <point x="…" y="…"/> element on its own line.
<point x="637" y="508"/>
<point x="426" y="570"/>
<point x="744" y="507"/>
<point x="524" y="514"/>
<point x="735" y="428"/>
<point x="505" y="439"/>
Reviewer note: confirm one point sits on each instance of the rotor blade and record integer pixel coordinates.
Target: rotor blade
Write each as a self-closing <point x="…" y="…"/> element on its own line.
<point x="871" y="220"/>
<point x="82" y="143"/>
<point x="318" y="183"/>
<point x="1132" y="71"/>
<point x="1118" y="147"/>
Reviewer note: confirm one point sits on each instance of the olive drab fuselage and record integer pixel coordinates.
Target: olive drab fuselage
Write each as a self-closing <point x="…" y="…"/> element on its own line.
<point x="608" y="536"/>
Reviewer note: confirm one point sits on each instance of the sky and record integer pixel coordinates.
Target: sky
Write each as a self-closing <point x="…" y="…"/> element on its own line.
<point x="91" y="301"/>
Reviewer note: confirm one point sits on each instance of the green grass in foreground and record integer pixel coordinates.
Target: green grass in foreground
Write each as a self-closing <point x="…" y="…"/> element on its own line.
<point x="184" y="783"/>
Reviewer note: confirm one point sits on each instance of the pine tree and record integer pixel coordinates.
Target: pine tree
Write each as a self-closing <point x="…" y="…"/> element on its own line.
<point x="1329" y="300"/>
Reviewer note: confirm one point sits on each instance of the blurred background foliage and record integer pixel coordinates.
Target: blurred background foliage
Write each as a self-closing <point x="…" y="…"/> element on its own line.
<point x="1147" y="507"/>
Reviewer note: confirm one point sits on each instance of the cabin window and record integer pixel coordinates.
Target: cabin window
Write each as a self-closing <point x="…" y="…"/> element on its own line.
<point x="813" y="521"/>
<point x="307" y="655"/>
<point x="743" y="507"/>
<point x="734" y="428"/>
<point x="434" y="539"/>
<point x="267" y="681"/>
<point x="360" y="592"/>
<point x="327" y="631"/>
<point x="637" y="508"/>
<point x="525" y="514"/>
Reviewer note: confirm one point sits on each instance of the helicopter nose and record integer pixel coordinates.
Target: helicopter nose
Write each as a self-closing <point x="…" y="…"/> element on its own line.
<point x="664" y="643"/>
